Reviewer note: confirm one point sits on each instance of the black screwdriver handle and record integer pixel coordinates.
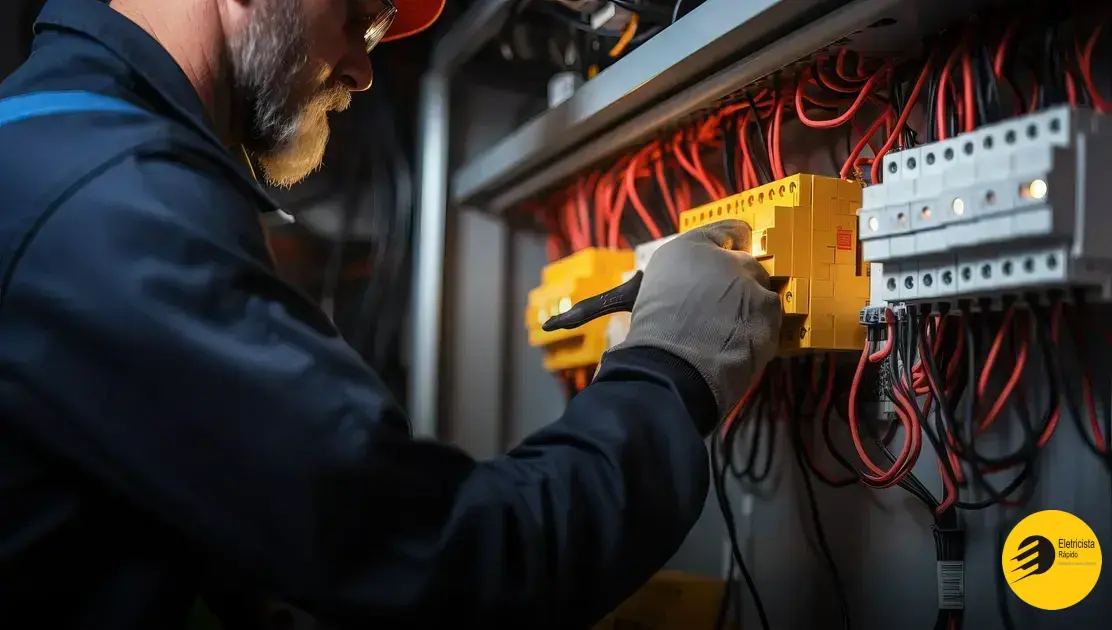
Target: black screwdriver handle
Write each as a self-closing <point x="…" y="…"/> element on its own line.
<point x="620" y="299"/>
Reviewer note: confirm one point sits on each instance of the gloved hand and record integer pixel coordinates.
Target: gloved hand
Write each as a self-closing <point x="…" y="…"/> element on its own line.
<point x="707" y="302"/>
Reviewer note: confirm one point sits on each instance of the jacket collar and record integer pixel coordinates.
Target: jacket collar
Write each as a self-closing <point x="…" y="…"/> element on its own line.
<point x="138" y="50"/>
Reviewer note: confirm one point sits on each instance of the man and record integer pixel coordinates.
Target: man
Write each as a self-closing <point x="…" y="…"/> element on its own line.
<point x="173" y="414"/>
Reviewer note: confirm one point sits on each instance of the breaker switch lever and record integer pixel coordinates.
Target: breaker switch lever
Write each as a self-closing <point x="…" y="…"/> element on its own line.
<point x="620" y="299"/>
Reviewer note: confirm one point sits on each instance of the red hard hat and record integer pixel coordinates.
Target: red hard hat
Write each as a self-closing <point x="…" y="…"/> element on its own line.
<point x="413" y="17"/>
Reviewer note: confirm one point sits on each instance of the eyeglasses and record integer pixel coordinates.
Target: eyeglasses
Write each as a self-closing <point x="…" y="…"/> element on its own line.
<point x="379" y="24"/>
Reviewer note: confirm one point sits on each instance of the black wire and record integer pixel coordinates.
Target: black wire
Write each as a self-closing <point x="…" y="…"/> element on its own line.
<point x="726" y="603"/>
<point x="729" y="142"/>
<point x="645" y="10"/>
<point x="757" y="410"/>
<point x="909" y="482"/>
<point x="676" y="11"/>
<point x="1079" y="423"/>
<point x="824" y="421"/>
<point x="730" y="439"/>
<point x="932" y="96"/>
<point x="764" y="168"/>
<point x="816" y="518"/>
<point x="731" y="530"/>
<point x="943" y="419"/>
<point x="980" y="95"/>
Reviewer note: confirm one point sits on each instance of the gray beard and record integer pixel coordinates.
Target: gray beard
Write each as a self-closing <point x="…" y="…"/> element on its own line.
<point x="287" y="109"/>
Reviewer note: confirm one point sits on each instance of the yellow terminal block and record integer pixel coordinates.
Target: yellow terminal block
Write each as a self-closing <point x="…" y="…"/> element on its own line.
<point x="584" y="274"/>
<point x="805" y="235"/>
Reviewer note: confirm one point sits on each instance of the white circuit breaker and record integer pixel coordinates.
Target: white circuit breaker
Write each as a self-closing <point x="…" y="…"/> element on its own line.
<point x="618" y="327"/>
<point x="1018" y="206"/>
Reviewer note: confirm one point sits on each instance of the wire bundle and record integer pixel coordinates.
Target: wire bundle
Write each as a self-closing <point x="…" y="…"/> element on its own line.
<point x="959" y="378"/>
<point x="972" y="75"/>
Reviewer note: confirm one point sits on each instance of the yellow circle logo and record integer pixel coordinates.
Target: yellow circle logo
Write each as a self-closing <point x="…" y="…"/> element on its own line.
<point x="1051" y="560"/>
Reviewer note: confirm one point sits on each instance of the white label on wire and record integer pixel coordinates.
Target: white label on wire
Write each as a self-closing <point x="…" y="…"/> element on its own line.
<point x="951" y="585"/>
<point x="603" y="15"/>
<point x="561" y="87"/>
<point x="746" y="505"/>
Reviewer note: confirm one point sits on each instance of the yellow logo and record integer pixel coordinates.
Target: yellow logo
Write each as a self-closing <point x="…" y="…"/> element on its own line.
<point x="1051" y="560"/>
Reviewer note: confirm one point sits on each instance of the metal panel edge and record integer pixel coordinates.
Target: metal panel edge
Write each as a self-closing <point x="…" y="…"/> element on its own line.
<point x="800" y="44"/>
<point x="691" y="47"/>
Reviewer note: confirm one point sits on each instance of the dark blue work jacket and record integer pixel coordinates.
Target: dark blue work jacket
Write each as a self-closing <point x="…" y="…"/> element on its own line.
<point x="173" y="415"/>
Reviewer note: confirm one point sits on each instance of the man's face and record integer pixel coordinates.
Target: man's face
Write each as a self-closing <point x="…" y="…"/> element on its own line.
<point x="292" y="62"/>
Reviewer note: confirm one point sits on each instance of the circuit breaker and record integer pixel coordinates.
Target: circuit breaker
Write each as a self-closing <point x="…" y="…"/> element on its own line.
<point x="1013" y="207"/>
<point x="564" y="282"/>
<point x="805" y="235"/>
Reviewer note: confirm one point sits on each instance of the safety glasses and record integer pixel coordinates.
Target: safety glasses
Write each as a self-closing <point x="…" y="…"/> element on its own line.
<point x="379" y="23"/>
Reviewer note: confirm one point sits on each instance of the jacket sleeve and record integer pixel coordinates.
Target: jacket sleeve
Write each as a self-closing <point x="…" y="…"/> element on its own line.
<point x="158" y="355"/>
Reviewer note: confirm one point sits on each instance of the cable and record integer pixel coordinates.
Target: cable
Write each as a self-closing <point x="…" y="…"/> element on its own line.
<point x="627" y="36"/>
<point x="731" y="530"/>
<point x="816" y="518"/>
<point x="676" y="11"/>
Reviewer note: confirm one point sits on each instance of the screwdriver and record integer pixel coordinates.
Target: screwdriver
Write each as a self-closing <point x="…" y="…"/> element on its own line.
<point x="620" y="299"/>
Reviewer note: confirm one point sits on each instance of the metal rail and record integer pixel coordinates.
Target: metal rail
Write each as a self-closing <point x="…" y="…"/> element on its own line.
<point x="702" y="41"/>
<point x="469" y="34"/>
<point x="874" y="25"/>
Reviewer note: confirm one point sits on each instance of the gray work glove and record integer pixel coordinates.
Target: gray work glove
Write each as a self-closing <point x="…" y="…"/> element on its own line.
<point x="707" y="302"/>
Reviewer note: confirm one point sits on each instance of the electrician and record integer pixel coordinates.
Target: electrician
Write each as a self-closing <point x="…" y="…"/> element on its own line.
<point x="174" y="414"/>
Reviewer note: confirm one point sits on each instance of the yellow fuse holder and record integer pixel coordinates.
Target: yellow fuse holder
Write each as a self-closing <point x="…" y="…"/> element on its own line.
<point x="584" y="274"/>
<point x="805" y="235"/>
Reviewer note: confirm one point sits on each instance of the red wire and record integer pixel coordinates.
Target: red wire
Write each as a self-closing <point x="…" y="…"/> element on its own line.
<point x="1002" y="49"/>
<point x="943" y="88"/>
<point x="732" y="416"/>
<point x="866" y="140"/>
<point x="821" y="409"/>
<point x="665" y="193"/>
<point x="714" y="188"/>
<point x="832" y="83"/>
<point x="583" y="211"/>
<point x="840" y="67"/>
<point x="912" y="435"/>
<point x="1085" y="60"/>
<point x="750" y="179"/>
<point x="895" y="134"/>
<point x="689" y="167"/>
<point x="969" y="117"/>
<point x="635" y="199"/>
<point x="774" y="139"/>
<point x="1009" y="386"/>
<point x="848" y="114"/>
<point x="615" y="220"/>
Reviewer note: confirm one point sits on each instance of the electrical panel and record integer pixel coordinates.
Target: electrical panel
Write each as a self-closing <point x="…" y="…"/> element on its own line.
<point x="805" y="235"/>
<point x="564" y="282"/>
<point x="1014" y="207"/>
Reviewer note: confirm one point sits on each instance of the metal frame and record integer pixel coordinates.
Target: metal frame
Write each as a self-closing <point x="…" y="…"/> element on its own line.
<point x="911" y="19"/>
<point x="476" y="27"/>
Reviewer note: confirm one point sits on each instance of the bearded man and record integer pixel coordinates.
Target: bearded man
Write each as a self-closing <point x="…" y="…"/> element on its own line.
<point x="173" y="415"/>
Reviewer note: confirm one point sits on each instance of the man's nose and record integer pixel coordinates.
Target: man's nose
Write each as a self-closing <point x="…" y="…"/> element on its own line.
<point x="355" y="71"/>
